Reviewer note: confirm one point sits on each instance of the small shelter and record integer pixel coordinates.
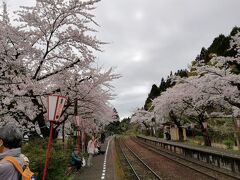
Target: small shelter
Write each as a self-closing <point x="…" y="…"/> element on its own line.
<point x="171" y="131"/>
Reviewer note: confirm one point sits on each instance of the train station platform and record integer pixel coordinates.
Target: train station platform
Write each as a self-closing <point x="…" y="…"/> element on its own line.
<point x="102" y="168"/>
<point x="207" y="149"/>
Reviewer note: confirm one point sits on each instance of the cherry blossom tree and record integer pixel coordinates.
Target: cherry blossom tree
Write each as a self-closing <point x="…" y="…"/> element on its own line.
<point x="51" y="50"/>
<point x="142" y="117"/>
<point x="197" y="98"/>
<point x="226" y="82"/>
<point x="186" y="102"/>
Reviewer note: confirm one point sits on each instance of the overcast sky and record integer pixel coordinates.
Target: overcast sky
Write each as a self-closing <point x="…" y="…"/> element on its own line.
<point x="150" y="38"/>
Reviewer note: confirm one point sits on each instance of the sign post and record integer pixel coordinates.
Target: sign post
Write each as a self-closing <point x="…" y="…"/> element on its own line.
<point x="55" y="107"/>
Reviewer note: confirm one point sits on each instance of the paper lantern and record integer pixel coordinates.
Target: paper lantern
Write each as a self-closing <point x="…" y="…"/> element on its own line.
<point x="55" y="107"/>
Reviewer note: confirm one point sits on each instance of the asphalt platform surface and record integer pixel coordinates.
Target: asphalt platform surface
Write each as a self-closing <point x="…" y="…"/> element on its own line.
<point x="102" y="168"/>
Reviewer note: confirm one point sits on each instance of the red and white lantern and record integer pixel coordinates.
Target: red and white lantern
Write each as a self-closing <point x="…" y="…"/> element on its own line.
<point x="55" y="107"/>
<point x="77" y="121"/>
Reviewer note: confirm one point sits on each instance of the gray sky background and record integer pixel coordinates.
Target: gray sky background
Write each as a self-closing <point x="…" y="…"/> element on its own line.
<point x="150" y="38"/>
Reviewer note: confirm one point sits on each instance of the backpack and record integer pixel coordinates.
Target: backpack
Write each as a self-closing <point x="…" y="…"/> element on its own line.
<point x="26" y="173"/>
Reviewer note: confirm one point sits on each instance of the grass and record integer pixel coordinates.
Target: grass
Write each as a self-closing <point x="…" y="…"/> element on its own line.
<point x="226" y="145"/>
<point x="58" y="160"/>
<point x="133" y="130"/>
<point x="119" y="174"/>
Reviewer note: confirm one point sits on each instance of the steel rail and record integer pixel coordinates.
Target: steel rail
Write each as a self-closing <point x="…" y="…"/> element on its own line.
<point x="136" y="156"/>
<point x="129" y="163"/>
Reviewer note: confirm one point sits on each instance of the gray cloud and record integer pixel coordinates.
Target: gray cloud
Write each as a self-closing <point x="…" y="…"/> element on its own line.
<point x="150" y="38"/>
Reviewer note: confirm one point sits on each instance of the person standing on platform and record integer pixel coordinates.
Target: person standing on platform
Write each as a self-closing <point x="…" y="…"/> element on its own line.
<point x="90" y="150"/>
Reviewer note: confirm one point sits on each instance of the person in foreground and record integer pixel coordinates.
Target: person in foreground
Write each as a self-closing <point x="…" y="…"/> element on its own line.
<point x="10" y="145"/>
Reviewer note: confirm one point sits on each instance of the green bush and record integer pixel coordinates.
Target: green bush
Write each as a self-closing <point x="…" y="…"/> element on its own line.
<point x="159" y="133"/>
<point x="218" y="136"/>
<point x="229" y="143"/>
<point x="57" y="163"/>
<point x="199" y="138"/>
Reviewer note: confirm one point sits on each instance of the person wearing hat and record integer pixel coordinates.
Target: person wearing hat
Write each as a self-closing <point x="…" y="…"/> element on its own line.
<point x="10" y="145"/>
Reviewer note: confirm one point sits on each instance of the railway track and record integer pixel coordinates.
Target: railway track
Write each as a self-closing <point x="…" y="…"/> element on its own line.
<point x="140" y="170"/>
<point x="211" y="172"/>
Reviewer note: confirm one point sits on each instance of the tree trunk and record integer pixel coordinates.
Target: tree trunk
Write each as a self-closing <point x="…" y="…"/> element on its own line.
<point x="206" y="138"/>
<point x="237" y="139"/>
<point x="42" y="125"/>
<point x="207" y="141"/>
<point x="173" y="117"/>
<point x="40" y="117"/>
<point x="180" y="133"/>
<point x="151" y="131"/>
<point x="75" y="107"/>
<point x="55" y="133"/>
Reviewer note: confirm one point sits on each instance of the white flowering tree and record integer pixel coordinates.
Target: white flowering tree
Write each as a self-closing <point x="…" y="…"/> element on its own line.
<point x="213" y="91"/>
<point x="142" y="117"/>
<point x="226" y="82"/>
<point x="51" y="50"/>
<point x="183" y="103"/>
